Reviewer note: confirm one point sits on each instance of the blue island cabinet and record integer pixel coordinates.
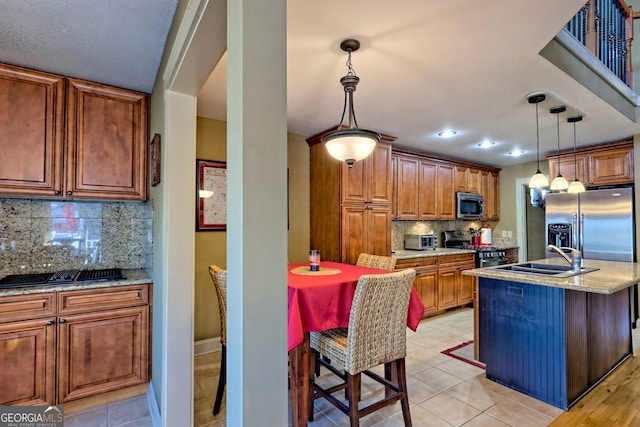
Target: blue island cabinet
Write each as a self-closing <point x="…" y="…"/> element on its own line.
<point x="551" y="343"/>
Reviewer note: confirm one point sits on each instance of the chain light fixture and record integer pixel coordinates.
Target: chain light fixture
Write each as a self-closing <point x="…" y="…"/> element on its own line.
<point x="576" y="186"/>
<point x="350" y="144"/>
<point x="538" y="180"/>
<point x="559" y="183"/>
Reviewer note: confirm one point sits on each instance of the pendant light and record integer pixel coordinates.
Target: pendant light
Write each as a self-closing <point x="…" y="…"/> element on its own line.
<point x="559" y="183"/>
<point x="538" y="180"/>
<point x="350" y="144"/>
<point x="576" y="186"/>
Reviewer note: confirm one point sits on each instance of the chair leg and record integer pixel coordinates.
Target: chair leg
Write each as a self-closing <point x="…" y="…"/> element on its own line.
<point x="402" y="382"/>
<point x="222" y="381"/>
<point x="353" y="391"/>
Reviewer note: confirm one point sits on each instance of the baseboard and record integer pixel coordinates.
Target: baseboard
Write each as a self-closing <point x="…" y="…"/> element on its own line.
<point x="154" y="410"/>
<point x="208" y="345"/>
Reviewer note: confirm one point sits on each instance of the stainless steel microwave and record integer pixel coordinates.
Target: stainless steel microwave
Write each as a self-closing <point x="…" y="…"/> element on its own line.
<point x="469" y="206"/>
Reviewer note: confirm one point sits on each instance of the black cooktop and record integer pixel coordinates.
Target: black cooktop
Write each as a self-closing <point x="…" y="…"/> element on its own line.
<point x="61" y="277"/>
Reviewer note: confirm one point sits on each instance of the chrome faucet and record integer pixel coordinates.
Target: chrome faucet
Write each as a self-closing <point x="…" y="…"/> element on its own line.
<point x="576" y="256"/>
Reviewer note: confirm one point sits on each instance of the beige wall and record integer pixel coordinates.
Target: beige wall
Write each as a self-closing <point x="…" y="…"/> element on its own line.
<point x="210" y="246"/>
<point x="508" y="176"/>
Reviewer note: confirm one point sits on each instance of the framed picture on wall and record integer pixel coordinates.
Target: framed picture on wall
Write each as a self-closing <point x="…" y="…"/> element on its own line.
<point x="155" y="160"/>
<point x="211" y="195"/>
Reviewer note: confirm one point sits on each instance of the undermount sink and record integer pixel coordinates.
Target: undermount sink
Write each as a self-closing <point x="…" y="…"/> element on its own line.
<point x="551" y="270"/>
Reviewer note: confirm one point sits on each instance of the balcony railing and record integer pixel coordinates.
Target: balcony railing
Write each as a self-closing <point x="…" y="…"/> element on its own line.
<point x="605" y="27"/>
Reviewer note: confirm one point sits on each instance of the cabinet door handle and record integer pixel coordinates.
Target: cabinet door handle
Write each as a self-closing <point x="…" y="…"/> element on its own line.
<point x="50" y="322"/>
<point x="62" y="321"/>
<point x="69" y="193"/>
<point x="56" y="192"/>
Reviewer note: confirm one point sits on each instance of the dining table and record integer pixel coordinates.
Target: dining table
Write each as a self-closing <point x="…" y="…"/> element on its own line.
<point x="320" y="300"/>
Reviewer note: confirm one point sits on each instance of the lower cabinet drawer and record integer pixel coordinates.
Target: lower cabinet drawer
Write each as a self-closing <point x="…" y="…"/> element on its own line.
<point x="26" y="307"/>
<point x="87" y="300"/>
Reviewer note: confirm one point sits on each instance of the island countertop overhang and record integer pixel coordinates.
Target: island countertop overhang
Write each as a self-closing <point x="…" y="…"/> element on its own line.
<point x="611" y="276"/>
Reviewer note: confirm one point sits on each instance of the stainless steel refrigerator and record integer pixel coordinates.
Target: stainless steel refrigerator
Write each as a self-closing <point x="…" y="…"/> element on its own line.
<point x="600" y="223"/>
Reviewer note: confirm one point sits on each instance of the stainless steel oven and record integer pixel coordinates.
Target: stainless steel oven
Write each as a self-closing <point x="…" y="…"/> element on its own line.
<point x="486" y="256"/>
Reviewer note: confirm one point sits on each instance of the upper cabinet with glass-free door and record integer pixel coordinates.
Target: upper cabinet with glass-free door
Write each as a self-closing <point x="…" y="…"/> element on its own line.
<point x="607" y="164"/>
<point x="69" y="138"/>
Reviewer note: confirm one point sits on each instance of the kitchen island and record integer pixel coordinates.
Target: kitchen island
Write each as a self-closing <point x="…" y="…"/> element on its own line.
<point x="554" y="338"/>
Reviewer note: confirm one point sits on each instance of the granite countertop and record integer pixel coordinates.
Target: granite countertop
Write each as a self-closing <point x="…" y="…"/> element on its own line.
<point x="407" y="253"/>
<point x="611" y="277"/>
<point x="131" y="277"/>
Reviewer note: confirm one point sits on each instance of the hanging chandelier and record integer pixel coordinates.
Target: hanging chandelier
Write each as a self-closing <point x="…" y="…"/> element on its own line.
<point x="538" y="180"/>
<point x="576" y="186"/>
<point x="559" y="183"/>
<point x="352" y="143"/>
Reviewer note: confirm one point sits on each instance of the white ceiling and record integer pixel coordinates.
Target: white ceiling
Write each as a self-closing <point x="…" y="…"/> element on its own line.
<point x="424" y="66"/>
<point x="115" y="42"/>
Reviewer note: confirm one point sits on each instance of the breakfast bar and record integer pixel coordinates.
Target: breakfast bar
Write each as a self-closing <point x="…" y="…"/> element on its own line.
<point x="554" y="336"/>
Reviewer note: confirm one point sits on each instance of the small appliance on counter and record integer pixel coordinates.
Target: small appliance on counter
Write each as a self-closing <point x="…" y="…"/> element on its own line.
<point x="420" y="242"/>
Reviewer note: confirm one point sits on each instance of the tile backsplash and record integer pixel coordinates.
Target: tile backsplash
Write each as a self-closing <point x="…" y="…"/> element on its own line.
<point x="44" y="235"/>
<point x="400" y="228"/>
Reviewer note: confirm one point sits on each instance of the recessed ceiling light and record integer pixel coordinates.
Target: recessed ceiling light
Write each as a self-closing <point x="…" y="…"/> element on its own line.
<point x="516" y="153"/>
<point x="447" y="133"/>
<point x="486" y="144"/>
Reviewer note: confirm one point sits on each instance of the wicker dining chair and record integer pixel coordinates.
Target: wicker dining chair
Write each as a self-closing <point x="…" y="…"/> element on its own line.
<point x="219" y="277"/>
<point x="376" y="335"/>
<point x="376" y="261"/>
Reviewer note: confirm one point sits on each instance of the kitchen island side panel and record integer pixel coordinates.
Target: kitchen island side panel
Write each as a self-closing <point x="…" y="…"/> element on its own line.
<point x="522" y="333"/>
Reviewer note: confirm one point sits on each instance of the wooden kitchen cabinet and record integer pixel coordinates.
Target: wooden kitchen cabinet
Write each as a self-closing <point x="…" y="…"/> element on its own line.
<point x="567" y="168"/>
<point x="369" y="180"/>
<point x="439" y="281"/>
<point x="88" y="141"/>
<point x="445" y="194"/>
<point x="428" y="191"/>
<point x="607" y="164"/>
<point x="512" y="255"/>
<point x="454" y="289"/>
<point x="27" y="357"/>
<point x="101" y="352"/>
<point x="435" y="191"/>
<point x="613" y="166"/>
<point x="103" y="340"/>
<point x="467" y="180"/>
<point x="365" y="229"/>
<point x="32" y="132"/>
<point x="106" y="142"/>
<point x="85" y="342"/>
<point x="491" y="194"/>
<point x="351" y="208"/>
<point x="426" y="281"/>
<point x="424" y="189"/>
<point x="425" y="186"/>
<point x="407" y="187"/>
<point x="27" y="349"/>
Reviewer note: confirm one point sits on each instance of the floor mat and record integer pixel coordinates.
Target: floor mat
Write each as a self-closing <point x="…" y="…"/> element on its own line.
<point x="464" y="352"/>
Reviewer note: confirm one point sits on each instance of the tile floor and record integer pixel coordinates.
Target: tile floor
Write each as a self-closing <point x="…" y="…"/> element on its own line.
<point x="132" y="412"/>
<point x="443" y="391"/>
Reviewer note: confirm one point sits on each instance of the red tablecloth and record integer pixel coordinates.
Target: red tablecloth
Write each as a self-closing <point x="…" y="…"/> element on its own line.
<point x="316" y="303"/>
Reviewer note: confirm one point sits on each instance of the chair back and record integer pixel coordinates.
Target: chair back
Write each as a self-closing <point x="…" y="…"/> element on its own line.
<point x="376" y="261"/>
<point x="219" y="277"/>
<point x="378" y="320"/>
